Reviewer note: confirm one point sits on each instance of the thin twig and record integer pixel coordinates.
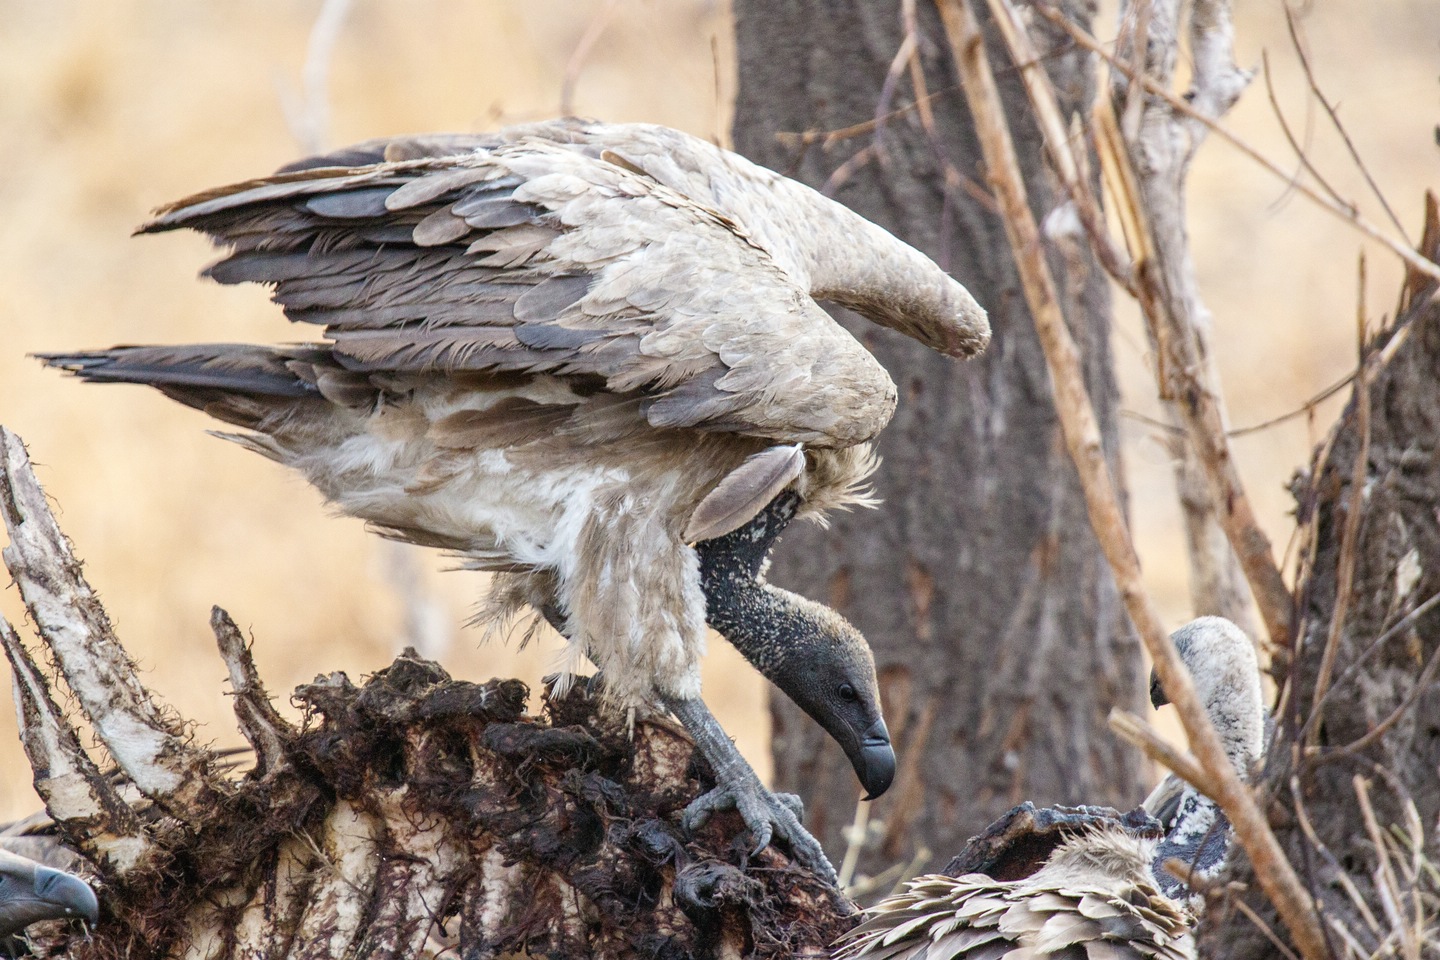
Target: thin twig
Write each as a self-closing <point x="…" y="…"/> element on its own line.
<point x="854" y="843"/>
<point x="1264" y="928"/>
<point x="1422" y="684"/>
<point x="917" y="69"/>
<point x="1306" y="408"/>
<point x="1375" y="644"/>
<point x="1293" y="26"/>
<point x="1301" y="155"/>
<point x="1057" y="143"/>
<point x="1386" y="884"/>
<point x="898" y="64"/>
<point x="856" y="162"/>
<point x="1414" y="260"/>
<point x="1082" y="437"/>
<point x="1302" y="817"/>
<point x="793" y="140"/>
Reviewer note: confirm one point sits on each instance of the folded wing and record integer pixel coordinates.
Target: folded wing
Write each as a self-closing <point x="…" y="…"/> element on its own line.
<point x="535" y="258"/>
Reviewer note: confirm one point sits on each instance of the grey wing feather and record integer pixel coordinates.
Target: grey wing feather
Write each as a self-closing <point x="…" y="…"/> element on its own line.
<point x="746" y="491"/>
<point x="234" y="367"/>
<point x="240" y="384"/>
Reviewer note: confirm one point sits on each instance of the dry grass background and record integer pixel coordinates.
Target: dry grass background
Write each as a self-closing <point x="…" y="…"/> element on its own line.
<point x="110" y="108"/>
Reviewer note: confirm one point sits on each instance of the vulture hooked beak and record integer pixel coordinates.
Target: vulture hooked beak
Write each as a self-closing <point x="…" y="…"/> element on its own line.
<point x="69" y="895"/>
<point x="874" y="760"/>
<point x="31" y="891"/>
<point x="1158" y="698"/>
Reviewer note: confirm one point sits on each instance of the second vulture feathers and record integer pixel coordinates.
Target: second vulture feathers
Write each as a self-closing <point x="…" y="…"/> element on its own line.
<point x="590" y="359"/>
<point x="1094" y="898"/>
<point x="1106" y="891"/>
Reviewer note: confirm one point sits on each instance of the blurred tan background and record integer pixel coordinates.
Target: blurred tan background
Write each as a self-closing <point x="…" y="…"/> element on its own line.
<point x="111" y="107"/>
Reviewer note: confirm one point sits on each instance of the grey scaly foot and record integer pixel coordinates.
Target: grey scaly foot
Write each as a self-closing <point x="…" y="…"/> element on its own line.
<point x="768" y="815"/>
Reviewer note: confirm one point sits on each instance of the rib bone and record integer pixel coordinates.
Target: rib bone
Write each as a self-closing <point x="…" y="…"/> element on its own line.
<point x="150" y="748"/>
<point x="76" y="794"/>
<point x="259" y="721"/>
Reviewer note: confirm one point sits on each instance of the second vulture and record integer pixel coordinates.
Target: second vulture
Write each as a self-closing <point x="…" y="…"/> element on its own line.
<point x="589" y="358"/>
<point x="1222" y="664"/>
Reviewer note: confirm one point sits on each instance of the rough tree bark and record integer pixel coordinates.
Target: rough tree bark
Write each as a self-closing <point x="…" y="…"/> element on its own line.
<point x="1367" y="603"/>
<point x="998" y="634"/>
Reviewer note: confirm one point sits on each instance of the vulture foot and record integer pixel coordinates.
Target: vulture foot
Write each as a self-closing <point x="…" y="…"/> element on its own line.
<point x="768" y="815"/>
<point x="723" y="798"/>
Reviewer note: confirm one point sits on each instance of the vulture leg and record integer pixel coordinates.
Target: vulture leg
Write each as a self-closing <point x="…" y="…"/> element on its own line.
<point x="767" y="814"/>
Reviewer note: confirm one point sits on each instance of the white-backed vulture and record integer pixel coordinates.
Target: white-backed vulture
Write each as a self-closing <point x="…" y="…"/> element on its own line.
<point x="1222" y="665"/>
<point x="31" y="892"/>
<point x="567" y="352"/>
<point x="1093" y="899"/>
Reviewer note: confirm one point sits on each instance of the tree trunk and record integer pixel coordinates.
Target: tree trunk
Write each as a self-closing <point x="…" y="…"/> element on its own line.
<point x="998" y="634"/>
<point x="1367" y="593"/>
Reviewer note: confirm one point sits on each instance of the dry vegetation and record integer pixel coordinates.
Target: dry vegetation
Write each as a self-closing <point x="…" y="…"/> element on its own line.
<point x="111" y="108"/>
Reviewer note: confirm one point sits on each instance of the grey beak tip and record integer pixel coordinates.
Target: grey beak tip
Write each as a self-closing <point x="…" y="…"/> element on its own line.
<point x="68" y="891"/>
<point x="876" y="768"/>
<point x="1158" y="698"/>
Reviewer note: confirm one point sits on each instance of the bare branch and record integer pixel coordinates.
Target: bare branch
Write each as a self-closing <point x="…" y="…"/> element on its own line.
<point x="1137" y="733"/>
<point x="1078" y="424"/>
<point x="1170" y="303"/>
<point x="1414" y="260"/>
<point x="1216" y="82"/>
<point x="147" y="744"/>
<point x="259" y="721"/>
<point x="1154" y="155"/>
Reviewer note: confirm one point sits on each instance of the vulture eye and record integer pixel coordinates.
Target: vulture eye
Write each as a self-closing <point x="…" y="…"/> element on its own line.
<point x="848" y="693"/>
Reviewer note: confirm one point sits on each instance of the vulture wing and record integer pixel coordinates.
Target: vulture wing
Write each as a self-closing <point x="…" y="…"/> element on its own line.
<point x="826" y="248"/>
<point x="536" y="258"/>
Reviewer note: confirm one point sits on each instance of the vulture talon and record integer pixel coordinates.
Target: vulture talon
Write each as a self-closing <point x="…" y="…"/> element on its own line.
<point x="768" y="815"/>
<point x="31" y="891"/>
<point x="792" y="802"/>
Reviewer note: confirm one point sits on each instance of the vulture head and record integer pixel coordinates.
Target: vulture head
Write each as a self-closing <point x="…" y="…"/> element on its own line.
<point x="828" y="671"/>
<point x="1222" y="665"/>
<point x="814" y="655"/>
<point x="31" y="892"/>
